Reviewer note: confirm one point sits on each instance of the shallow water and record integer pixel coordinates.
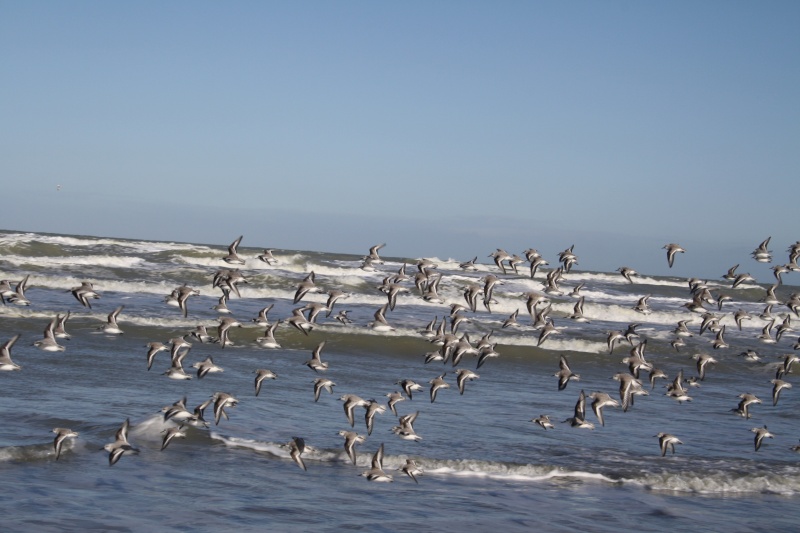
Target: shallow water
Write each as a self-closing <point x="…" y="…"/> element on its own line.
<point x="485" y="464"/>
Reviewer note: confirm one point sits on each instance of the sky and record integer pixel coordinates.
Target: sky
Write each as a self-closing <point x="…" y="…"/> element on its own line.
<point x="443" y="128"/>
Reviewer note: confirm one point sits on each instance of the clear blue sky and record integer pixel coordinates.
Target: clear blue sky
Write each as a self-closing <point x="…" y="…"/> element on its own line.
<point x="444" y="128"/>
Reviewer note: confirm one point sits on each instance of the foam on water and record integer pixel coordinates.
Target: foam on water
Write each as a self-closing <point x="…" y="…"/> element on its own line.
<point x="108" y="261"/>
<point x="100" y="380"/>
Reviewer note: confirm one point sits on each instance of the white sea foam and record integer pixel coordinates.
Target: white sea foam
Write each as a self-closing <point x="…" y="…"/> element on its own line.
<point x="311" y="453"/>
<point x="109" y="261"/>
<point x="721" y="483"/>
<point x="11" y="239"/>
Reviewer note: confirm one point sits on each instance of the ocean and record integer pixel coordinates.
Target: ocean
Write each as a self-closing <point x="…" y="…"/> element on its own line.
<point x="484" y="463"/>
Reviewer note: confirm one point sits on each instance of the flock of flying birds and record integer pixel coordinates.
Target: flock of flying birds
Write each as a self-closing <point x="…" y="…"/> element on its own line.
<point x="451" y="347"/>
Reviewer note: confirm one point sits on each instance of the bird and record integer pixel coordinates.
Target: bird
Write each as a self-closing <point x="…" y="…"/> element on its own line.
<point x="627" y="273"/>
<point x="783" y="327"/>
<point x="307" y="285"/>
<point x="565" y="374"/>
<point x="777" y="386"/>
<point x="471" y="293"/>
<point x="778" y="271"/>
<point x="741" y="278"/>
<point x="642" y="305"/>
<point x="342" y="317"/>
<point x="222" y="303"/>
<point x="177" y="411"/>
<point x="437" y="384"/>
<point x="380" y="323"/>
<point x="299" y="321"/>
<point x="766" y="333"/>
<point x="316" y="363"/>
<point x="682" y="329"/>
<point x="170" y="434"/>
<point x="372" y="408"/>
<point x="676" y="390"/>
<point x="351" y="401"/>
<point x="262" y="319"/>
<point x="612" y="338"/>
<point x="405" y="427"/>
<point x="600" y="400"/>
<point x="320" y="384"/>
<point x="176" y="370"/>
<point x="730" y="275"/>
<point x="462" y="376"/>
<point x="719" y="341"/>
<point x="543" y="421"/>
<point x="537" y="262"/>
<point x="225" y="324"/>
<point x="394" y="397"/>
<point x="461" y="348"/>
<point x="576" y="291"/>
<point x="539" y="316"/>
<point x="268" y="339"/>
<point x="60" y="331"/>
<point x="314" y="310"/>
<point x="411" y="469"/>
<point x="197" y="418"/>
<point x="221" y="401"/>
<point x="181" y="296"/>
<point x="629" y="387"/>
<point x="176" y="344"/>
<point x="786" y="367"/>
<point x="667" y="441"/>
<point x="201" y="334"/>
<point x="548" y="330"/>
<point x="746" y="400"/>
<point x="672" y="249"/>
<point x="511" y="321"/>
<point x="111" y="327"/>
<point x="62" y="434"/>
<point x="228" y="280"/>
<point x="490" y="281"/>
<point x="630" y="333"/>
<point x="750" y="355"/>
<point x="376" y="473"/>
<point x="373" y="253"/>
<point x="703" y="360"/>
<point x="677" y="343"/>
<point x="267" y="257"/>
<point x="205" y="367"/>
<point x="577" y="311"/>
<point x="578" y="420"/>
<point x="154" y="348"/>
<point x="84" y="292"/>
<point x="261" y="375"/>
<point x="499" y="256"/>
<point x="655" y="373"/>
<point x="6" y="364"/>
<point x="394" y="289"/>
<point x="296" y="448"/>
<point x="233" y="257"/>
<point x="351" y="438"/>
<point x="334" y="295"/>
<point x="469" y="265"/>
<point x="762" y="254"/>
<point x="120" y="446"/>
<point x="761" y="434"/>
<point x="17" y="295"/>
<point x="721" y="299"/>
<point x="740" y="316"/>
<point x="409" y="386"/>
<point x="486" y="352"/>
<point x="48" y="341"/>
